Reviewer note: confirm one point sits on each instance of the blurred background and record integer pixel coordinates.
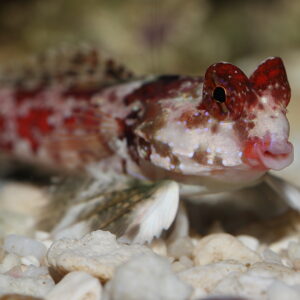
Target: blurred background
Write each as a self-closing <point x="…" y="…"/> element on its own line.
<point x="170" y="36"/>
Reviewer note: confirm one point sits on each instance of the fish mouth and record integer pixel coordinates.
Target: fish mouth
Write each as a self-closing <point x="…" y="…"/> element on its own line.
<point x="277" y="161"/>
<point x="267" y="154"/>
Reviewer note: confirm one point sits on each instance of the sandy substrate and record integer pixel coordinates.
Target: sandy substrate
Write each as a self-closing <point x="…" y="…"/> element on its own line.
<point x="260" y="261"/>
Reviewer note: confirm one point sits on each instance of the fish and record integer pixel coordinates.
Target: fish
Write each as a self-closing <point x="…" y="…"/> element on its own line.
<point x="80" y="111"/>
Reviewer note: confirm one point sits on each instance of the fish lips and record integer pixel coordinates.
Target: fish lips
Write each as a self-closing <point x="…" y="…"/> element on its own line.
<point x="267" y="154"/>
<point x="276" y="157"/>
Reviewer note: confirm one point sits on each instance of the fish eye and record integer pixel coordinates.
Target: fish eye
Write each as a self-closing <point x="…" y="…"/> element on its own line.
<point x="219" y="94"/>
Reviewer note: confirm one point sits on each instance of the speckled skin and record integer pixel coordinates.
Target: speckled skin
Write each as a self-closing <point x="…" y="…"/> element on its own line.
<point x="164" y="127"/>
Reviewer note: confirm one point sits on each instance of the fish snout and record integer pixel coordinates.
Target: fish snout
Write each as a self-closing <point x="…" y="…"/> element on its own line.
<point x="276" y="155"/>
<point x="269" y="154"/>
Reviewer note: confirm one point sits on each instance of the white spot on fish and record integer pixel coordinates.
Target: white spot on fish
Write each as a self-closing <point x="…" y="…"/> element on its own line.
<point x="264" y="100"/>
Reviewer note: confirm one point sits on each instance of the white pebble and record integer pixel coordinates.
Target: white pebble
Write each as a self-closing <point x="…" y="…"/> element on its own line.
<point x="249" y="241"/>
<point x="206" y="277"/>
<point x="270" y="256"/>
<point x="97" y="253"/>
<point x="159" y="247"/>
<point x="2" y="253"/>
<point x="24" y="246"/>
<point x="294" y="254"/>
<point x="76" y="286"/>
<point x="270" y="270"/>
<point x="41" y="235"/>
<point x="243" y="285"/>
<point x="186" y="261"/>
<point x="282" y="244"/>
<point x="280" y="291"/>
<point x="30" y="260"/>
<point x="10" y="260"/>
<point x="182" y="264"/>
<point x="181" y="247"/>
<point x="223" y="246"/>
<point x="35" y="272"/>
<point x="38" y="287"/>
<point x="47" y="243"/>
<point x="148" y="277"/>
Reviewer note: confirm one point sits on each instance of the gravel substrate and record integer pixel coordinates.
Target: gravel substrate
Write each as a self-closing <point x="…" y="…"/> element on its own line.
<point x="261" y="261"/>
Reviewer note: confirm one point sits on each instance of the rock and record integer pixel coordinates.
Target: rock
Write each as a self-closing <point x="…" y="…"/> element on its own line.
<point x="183" y="263"/>
<point x="20" y="204"/>
<point x="2" y="252"/>
<point x="243" y="285"/>
<point x="97" y="253"/>
<point x="159" y="247"/>
<point x="270" y="270"/>
<point x="181" y="247"/>
<point x="279" y="291"/>
<point x="223" y="298"/>
<point x="30" y="286"/>
<point x="30" y="261"/>
<point x="283" y="243"/>
<point x="148" y="277"/>
<point x="18" y="297"/>
<point x="21" y="198"/>
<point x="23" y="246"/>
<point x="9" y="261"/>
<point x="270" y="256"/>
<point x="223" y="246"/>
<point x="206" y="277"/>
<point x="76" y="286"/>
<point x="249" y="241"/>
<point x="294" y="254"/>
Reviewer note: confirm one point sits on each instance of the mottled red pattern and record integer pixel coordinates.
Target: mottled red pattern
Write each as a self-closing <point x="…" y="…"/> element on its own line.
<point x="23" y="95"/>
<point x="2" y="123"/>
<point x="270" y="77"/>
<point x="164" y="87"/>
<point x="34" y="123"/>
<point x="239" y="94"/>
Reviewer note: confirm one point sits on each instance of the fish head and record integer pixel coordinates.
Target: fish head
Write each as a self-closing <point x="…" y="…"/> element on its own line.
<point x="221" y="123"/>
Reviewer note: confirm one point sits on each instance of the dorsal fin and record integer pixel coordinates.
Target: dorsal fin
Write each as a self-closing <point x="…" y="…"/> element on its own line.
<point x="81" y="69"/>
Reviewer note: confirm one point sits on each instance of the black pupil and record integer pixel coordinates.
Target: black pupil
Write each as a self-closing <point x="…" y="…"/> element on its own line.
<point x="219" y="94"/>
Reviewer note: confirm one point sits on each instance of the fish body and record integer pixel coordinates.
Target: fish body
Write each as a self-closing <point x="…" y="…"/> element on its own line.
<point x="221" y="131"/>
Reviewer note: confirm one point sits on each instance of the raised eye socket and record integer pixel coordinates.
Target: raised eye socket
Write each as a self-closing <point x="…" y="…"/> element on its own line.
<point x="219" y="94"/>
